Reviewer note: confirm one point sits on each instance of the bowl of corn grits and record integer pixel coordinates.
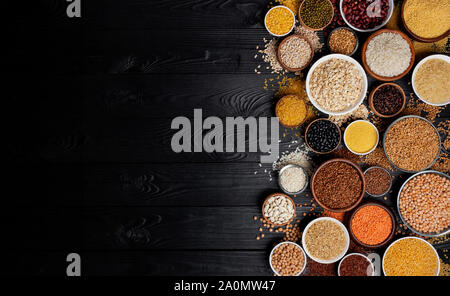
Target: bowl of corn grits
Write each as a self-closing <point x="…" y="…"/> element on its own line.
<point x="431" y="81"/>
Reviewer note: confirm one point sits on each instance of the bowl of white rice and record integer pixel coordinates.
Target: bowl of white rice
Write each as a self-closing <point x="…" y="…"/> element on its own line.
<point x="388" y="55"/>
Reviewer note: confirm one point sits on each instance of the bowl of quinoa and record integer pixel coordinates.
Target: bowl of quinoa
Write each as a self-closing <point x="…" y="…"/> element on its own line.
<point x="336" y="84"/>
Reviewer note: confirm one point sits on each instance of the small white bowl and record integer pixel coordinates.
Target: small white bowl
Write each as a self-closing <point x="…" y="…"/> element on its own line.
<point x="390" y="11"/>
<point x="293" y="21"/>
<point x="413" y="237"/>
<point x="371" y="150"/>
<point x="343" y="57"/>
<point x="284" y="243"/>
<point x="434" y="56"/>
<point x="347" y="237"/>
<point x="357" y="254"/>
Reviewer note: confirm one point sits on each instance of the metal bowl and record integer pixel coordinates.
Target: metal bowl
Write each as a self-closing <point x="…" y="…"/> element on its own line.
<point x="390" y="176"/>
<point x="348" y="29"/>
<point x="400" y="214"/>
<point x="293" y="166"/>
<point x="389" y="128"/>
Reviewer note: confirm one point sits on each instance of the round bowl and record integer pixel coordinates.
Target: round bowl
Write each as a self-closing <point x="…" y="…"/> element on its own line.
<point x="373" y="148"/>
<point x="348" y="29"/>
<point x="306" y="139"/>
<point x="387" y="240"/>
<point x="416" y="37"/>
<point x="383" y="78"/>
<point x="287" y="68"/>
<point x="345" y="233"/>
<point x="293" y="166"/>
<point x="372" y="93"/>
<point x="389" y="128"/>
<point x="357" y="254"/>
<point x="412" y="237"/>
<point x="361" y="174"/>
<point x="284" y="243"/>
<point x="285" y="125"/>
<point x="293" y="21"/>
<point x="349" y="59"/>
<point x="388" y="17"/>
<point x="434" y="56"/>
<point x="314" y="29"/>
<point x="398" y="205"/>
<point x="390" y="185"/>
<point x="264" y="205"/>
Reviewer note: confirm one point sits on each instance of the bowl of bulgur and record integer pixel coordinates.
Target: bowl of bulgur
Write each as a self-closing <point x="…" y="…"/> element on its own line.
<point x="336" y="84"/>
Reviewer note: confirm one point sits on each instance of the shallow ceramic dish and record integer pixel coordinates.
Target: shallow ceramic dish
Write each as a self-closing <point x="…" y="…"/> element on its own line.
<point x="293" y="21"/>
<point x="373" y="148"/>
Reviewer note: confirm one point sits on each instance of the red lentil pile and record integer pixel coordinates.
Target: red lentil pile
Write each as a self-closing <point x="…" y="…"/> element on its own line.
<point x="425" y="203"/>
<point x="355" y="265"/>
<point x="288" y="259"/>
<point x="371" y="225"/>
<point x="378" y="181"/>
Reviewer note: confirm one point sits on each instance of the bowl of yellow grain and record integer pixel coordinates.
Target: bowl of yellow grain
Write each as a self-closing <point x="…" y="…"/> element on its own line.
<point x="361" y="137"/>
<point x="431" y="80"/>
<point x="279" y="21"/>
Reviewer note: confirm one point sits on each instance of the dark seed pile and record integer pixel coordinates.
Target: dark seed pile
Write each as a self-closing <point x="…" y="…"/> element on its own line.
<point x="388" y="100"/>
<point x="316" y="13"/>
<point x="378" y="181"/>
<point x="323" y="136"/>
<point x="355" y="265"/>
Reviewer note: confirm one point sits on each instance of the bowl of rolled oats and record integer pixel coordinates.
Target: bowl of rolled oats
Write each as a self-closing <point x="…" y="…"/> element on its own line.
<point x="336" y="84"/>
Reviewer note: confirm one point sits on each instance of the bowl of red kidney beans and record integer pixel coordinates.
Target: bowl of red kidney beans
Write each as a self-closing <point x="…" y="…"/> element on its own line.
<point x="366" y="15"/>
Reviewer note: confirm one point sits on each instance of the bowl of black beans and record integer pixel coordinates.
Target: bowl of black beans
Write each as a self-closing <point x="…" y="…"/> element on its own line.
<point x="322" y="136"/>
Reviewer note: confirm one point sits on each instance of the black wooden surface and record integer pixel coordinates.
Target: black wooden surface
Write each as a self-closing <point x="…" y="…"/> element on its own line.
<point x="90" y="169"/>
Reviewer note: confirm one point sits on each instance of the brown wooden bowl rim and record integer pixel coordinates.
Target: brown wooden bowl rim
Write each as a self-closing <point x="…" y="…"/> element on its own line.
<point x="276" y="113"/>
<point x="372" y="203"/>
<point x="308" y="27"/>
<point x="361" y="175"/>
<point x="383" y="78"/>
<point x="372" y="93"/>
<point x="265" y="202"/>
<point x="307" y="129"/>
<point x="279" y="53"/>
<point x="417" y="37"/>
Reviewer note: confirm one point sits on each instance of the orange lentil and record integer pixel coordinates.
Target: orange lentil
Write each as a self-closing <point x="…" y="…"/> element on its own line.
<point x="371" y="225"/>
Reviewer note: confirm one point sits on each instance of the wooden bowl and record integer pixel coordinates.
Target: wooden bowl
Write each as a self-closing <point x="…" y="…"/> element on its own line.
<point x="276" y="112"/>
<point x="313" y="29"/>
<point x="416" y="37"/>
<point x="383" y="243"/>
<point x="383" y="78"/>
<point x="281" y="61"/>
<point x="264" y="205"/>
<point x="372" y="93"/>
<point x="361" y="175"/>
<point x="306" y="139"/>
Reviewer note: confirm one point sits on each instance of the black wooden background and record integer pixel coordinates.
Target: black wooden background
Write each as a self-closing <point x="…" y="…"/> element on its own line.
<point x="88" y="106"/>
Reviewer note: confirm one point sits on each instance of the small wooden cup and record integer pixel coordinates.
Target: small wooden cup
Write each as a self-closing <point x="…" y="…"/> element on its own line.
<point x="289" y="126"/>
<point x="264" y="205"/>
<point x="314" y="29"/>
<point x="383" y="243"/>
<point x="372" y="93"/>
<point x="416" y="37"/>
<point x="306" y="138"/>
<point x="287" y="68"/>
<point x="383" y="78"/>
<point x="360" y="197"/>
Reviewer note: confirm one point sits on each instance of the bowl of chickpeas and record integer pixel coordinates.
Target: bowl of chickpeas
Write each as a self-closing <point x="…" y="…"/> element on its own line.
<point x="423" y="203"/>
<point x="287" y="259"/>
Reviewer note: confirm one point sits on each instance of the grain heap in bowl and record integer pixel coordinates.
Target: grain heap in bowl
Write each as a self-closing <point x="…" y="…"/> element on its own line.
<point x="295" y="52"/>
<point x="337" y="185"/>
<point x="361" y="137"/>
<point x="279" y="20"/>
<point x="343" y="41"/>
<point x="279" y="209"/>
<point x="410" y="256"/>
<point x="371" y="224"/>
<point x="365" y="14"/>
<point x="412" y="143"/>
<point x="293" y="179"/>
<point x="424" y="203"/>
<point x="288" y="259"/>
<point x="388" y="100"/>
<point x="388" y="54"/>
<point x="291" y="110"/>
<point x="316" y="14"/>
<point x="336" y="85"/>
<point x="355" y="265"/>
<point x="431" y="81"/>
<point x="325" y="240"/>
<point x="378" y="181"/>
<point x="323" y="136"/>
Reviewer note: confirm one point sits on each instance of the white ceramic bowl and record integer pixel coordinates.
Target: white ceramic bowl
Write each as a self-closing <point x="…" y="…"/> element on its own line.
<point x="347" y="238"/>
<point x="413" y="237"/>
<point x="284" y="243"/>
<point x="370" y="151"/>
<point x="293" y="21"/>
<point x="349" y="59"/>
<point x="357" y="254"/>
<point x="434" y="56"/>
<point x="390" y="11"/>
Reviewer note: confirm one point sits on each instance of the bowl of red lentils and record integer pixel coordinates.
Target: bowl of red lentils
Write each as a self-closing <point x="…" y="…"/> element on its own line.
<point x="423" y="203"/>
